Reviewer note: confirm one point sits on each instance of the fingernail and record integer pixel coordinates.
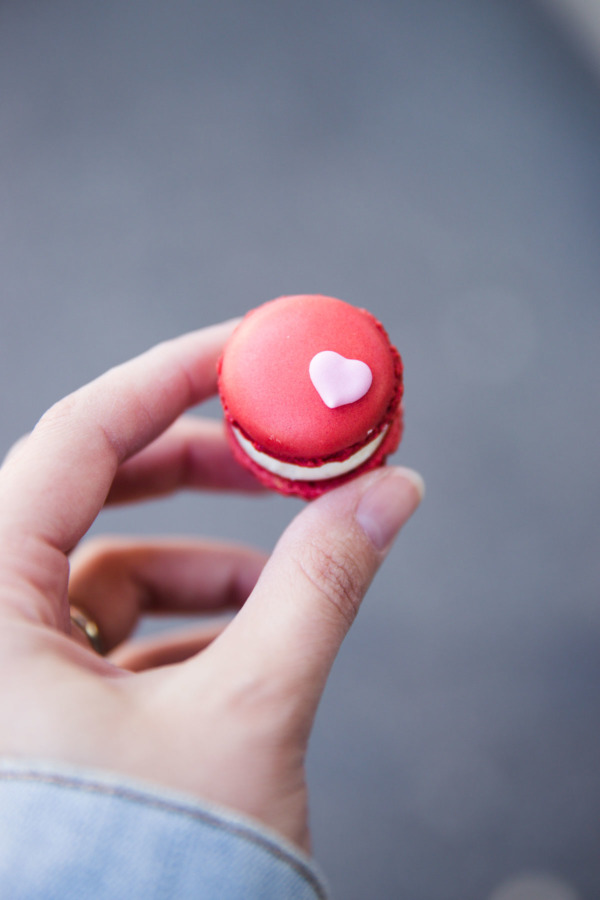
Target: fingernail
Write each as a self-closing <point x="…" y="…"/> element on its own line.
<point x="388" y="503"/>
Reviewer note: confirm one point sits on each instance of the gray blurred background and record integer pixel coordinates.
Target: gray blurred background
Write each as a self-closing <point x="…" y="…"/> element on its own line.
<point x="165" y="166"/>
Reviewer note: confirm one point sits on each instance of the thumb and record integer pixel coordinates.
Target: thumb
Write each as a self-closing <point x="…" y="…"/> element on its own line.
<point x="290" y="629"/>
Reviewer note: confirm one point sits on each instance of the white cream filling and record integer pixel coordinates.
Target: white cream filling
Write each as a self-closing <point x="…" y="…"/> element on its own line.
<point x="309" y="473"/>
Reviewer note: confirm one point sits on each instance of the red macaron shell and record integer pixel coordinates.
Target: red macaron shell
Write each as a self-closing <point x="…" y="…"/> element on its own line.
<point x="267" y="391"/>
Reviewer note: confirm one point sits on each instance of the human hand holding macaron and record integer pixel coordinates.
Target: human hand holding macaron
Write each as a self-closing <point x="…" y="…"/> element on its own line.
<point x="223" y="716"/>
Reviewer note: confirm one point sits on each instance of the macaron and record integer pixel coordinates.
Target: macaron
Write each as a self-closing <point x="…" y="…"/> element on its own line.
<point x="311" y="389"/>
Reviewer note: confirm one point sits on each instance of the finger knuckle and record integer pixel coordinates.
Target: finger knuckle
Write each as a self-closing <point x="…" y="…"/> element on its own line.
<point x="58" y="416"/>
<point x="72" y="415"/>
<point x="96" y="560"/>
<point x="15" y="449"/>
<point x="95" y="551"/>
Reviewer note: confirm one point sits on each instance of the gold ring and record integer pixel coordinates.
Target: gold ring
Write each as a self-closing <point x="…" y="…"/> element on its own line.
<point x="88" y="628"/>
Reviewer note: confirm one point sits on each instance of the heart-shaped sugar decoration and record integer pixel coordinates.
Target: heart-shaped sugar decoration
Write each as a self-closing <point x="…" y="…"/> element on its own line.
<point x="339" y="380"/>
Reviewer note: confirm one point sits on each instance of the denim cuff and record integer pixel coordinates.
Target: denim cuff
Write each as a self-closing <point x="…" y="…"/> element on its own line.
<point x="68" y="833"/>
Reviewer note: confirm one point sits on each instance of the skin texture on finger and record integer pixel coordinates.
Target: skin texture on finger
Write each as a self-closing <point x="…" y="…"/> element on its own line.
<point x="289" y="631"/>
<point x="115" y="580"/>
<point x="192" y="453"/>
<point x="55" y="483"/>
<point x="15" y="448"/>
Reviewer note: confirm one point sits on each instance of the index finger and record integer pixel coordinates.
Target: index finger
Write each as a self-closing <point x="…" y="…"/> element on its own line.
<point x="54" y="485"/>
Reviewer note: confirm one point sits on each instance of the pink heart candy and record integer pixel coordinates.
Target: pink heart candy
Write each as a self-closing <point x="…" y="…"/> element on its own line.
<point x="339" y="380"/>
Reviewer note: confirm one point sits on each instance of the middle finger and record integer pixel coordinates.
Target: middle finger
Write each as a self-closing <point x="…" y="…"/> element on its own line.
<point x="192" y="453"/>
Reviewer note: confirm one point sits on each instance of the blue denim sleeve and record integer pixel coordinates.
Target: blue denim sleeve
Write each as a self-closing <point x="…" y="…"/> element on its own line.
<point x="68" y="834"/>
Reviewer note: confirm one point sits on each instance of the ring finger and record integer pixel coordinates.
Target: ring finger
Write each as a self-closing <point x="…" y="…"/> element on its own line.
<point x="116" y="580"/>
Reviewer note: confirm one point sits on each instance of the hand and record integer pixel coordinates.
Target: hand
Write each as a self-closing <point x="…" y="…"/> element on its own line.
<point x="225" y="716"/>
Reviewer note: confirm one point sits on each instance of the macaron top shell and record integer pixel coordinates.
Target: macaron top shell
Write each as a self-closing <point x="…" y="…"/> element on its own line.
<point x="267" y="389"/>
